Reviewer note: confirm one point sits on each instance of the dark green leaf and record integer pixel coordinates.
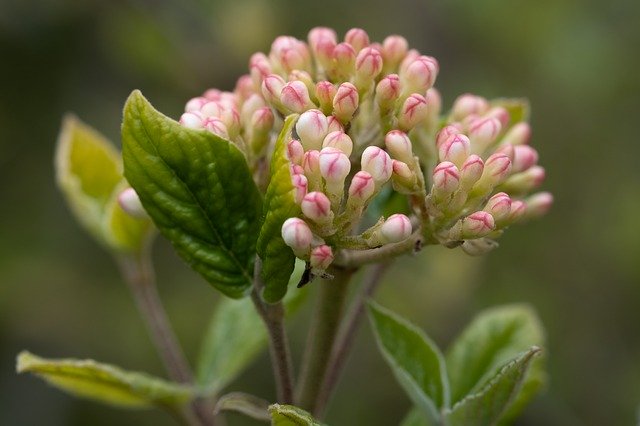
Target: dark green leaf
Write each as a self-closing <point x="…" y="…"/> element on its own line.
<point x="104" y="383"/>
<point x="485" y="407"/>
<point x="493" y="338"/>
<point x="288" y="415"/>
<point x="414" y="359"/>
<point x="198" y="190"/>
<point x="279" y="205"/>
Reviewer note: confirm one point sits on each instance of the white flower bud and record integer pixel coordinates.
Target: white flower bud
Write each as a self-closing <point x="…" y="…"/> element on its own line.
<point x="446" y="179"/>
<point x="471" y="171"/>
<point x="413" y="111"/>
<point x="311" y="166"/>
<point x="195" y="104"/>
<point x="446" y="132"/>
<point x="334" y="168"/>
<point x="398" y="145"/>
<point x="192" y="120"/>
<point x="377" y="163"/>
<point x="455" y="149"/>
<point x="312" y="127"/>
<point x="388" y="92"/>
<point x="334" y="124"/>
<point x="216" y="126"/>
<point x="272" y="86"/>
<point x="396" y="228"/>
<point x="297" y="235"/>
<point x="130" y="203"/>
<point x="339" y="140"/>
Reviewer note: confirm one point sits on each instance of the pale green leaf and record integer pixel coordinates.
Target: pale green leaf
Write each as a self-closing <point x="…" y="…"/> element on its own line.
<point x="123" y="231"/>
<point x="279" y="205"/>
<point x="198" y="190"/>
<point x="288" y="415"/>
<point x="485" y="407"/>
<point x="493" y="338"/>
<point x="104" y="383"/>
<point x="415" y="417"/>
<point x="414" y="359"/>
<point x="244" y="403"/>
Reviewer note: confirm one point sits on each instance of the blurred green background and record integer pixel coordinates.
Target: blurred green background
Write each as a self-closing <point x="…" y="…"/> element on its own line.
<point x="576" y="60"/>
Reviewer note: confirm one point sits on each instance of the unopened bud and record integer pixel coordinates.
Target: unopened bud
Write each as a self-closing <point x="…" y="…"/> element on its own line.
<point x="295" y="97"/>
<point x="368" y="66"/>
<point x="519" y="134"/>
<point x="317" y="207"/>
<point x="259" y="68"/>
<point x="394" y="49"/>
<point x="362" y="187"/>
<point x="130" y="203"/>
<point x="419" y="75"/>
<point x="311" y="167"/>
<point x="297" y="235"/>
<point x="358" y="38"/>
<point x="483" y="132"/>
<point x="339" y="140"/>
<point x="345" y="102"/>
<point x="295" y="169"/>
<point x="499" y="206"/>
<point x="334" y="168"/>
<point x="411" y="56"/>
<point x="496" y="169"/>
<point x="295" y="152"/>
<point x="195" y="104"/>
<point x="396" y="228"/>
<point x="518" y="211"/>
<point x="322" y="41"/>
<point x="445" y="133"/>
<point x="404" y="180"/>
<point x="312" y="127"/>
<point x="321" y="257"/>
<point x="334" y="124"/>
<point x="377" y="163"/>
<point x="388" y="92"/>
<point x="413" y="111"/>
<point x="244" y="88"/>
<point x="479" y="246"/>
<point x="251" y="105"/>
<point x="344" y="60"/>
<point x="468" y="104"/>
<point x="434" y="105"/>
<point x="261" y="124"/>
<point x="399" y="146"/>
<point x="538" y="205"/>
<point x="306" y="78"/>
<point x="524" y="182"/>
<point x="290" y="53"/>
<point x="455" y="149"/>
<point x="216" y="126"/>
<point x="446" y="179"/>
<point x="476" y="225"/>
<point x="192" y="120"/>
<point x="325" y="92"/>
<point x="471" y="171"/>
<point x="524" y="157"/>
<point x="272" y="86"/>
<point x="300" y="185"/>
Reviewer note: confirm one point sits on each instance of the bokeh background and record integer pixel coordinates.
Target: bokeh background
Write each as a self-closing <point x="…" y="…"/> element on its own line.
<point x="576" y="60"/>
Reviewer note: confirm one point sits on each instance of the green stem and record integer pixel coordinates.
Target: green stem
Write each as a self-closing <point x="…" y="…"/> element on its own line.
<point x="327" y="316"/>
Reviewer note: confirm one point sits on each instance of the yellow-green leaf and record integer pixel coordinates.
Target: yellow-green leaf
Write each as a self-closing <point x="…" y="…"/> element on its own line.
<point x="288" y="415"/>
<point x="104" y="383"/>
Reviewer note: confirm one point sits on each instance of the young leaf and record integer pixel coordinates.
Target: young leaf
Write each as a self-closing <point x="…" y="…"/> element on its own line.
<point x="518" y="108"/>
<point x="485" y="407"/>
<point x="244" y="403"/>
<point x="198" y="190"/>
<point x="104" y="383"/>
<point x="235" y="336"/>
<point x="89" y="173"/>
<point x="414" y="359"/>
<point x="494" y="337"/>
<point x="279" y="205"/>
<point x="288" y="415"/>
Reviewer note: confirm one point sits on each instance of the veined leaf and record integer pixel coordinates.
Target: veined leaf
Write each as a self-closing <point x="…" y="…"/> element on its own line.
<point x="279" y="205"/>
<point x="494" y="337"/>
<point x="288" y="415"/>
<point x="198" y="190"/>
<point x="104" y="383"/>
<point x="414" y="359"/>
<point x="485" y="407"/>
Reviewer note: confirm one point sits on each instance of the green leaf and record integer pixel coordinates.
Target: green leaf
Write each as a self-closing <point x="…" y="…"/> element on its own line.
<point x="493" y="338"/>
<point x="518" y="108"/>
<point x="198" y="190"/>
<point x="235" y="336"/>
<point x="89" y="173"/>
<point x="414" y="359"/>
<point x="415" y="418"/>
<point x="244" y="403"/>
<point x="277" y="258"/>
<point x="288" y="415"/>
<point x="104" y="383"/>
<point x="485" y="407"/>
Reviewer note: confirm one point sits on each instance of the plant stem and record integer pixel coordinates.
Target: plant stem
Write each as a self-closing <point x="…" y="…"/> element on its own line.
<point x="356" y="258"/>
<point x="328" y="312"/>
<point x="347" y="333"/>
<point x="139" y="275"/>
<point x="273" y="318"/>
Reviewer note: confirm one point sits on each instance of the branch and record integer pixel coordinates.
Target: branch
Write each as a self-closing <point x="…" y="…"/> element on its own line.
<point x="356" y="258"/>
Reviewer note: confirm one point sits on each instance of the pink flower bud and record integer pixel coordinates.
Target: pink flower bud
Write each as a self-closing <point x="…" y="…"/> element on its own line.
<point x="312" y="127"/>
<point x="445" y="133"/>
<point x="304" y="77"/>
<point x="419" y="75"/>
<point x="317" y="207"/>
<point x="321" y="257"/>
<point x="496" y="169"/>
<point x="295" y="97"/>
<point x="455" y="149"/>
<point x="212" y="94"/>
<point x="499" y="206"/>
<point x="476" y="225"/>
<point x="414" y="110"/>
<point x="295" y="152"/>
<point x="130" y="203"/>
<point x="368" y="65"/>
<point x="300" y="185"/>
<point x="362" y="187"/>
<point x="290" y="53"/>
<point x="518" y="211"/>
<point x="296" y="169"/>
<point x="212" y="109"/>
<point x="501" y="114"/>
<point x="262" y="120"/>
<point x="378" y="163"/>
<point x="297" y="235"/>
<point x="272" y="86"/>
<point x="216" y="126"/>
<point x="344" y="59"/>
<point x="339" y="140"/>
<point x="538" y="204"/>
<point x="251" y="105"/>
<point x="311" y="167"/>
<point x="387" y="92"/>
<point x="259" y="68"/>
<point x="524" y="157"/>
<point x="322" y="42"/>
<point x="195" y="104"/>
<point x="334" y="165"/>
<point x="396" y="228"/>
<point x="483" y="132"/>
<point x="345" y="102"/>
<point x="325" y="92"/>
<point x="244" y="88"/>
<point x="358" y="38"/>
<point x="434" y="105"/>
<point x="471" y="171"/>
<point x="446" y="178"/>
<point x="524" y="181"/>
<point x="192" y="120"/>
<point x="403" y="178"/>
<point x="399" y="146"/>
<point x="519" y="134"/>
<point x="334" y="124"/>
<point x="469" y="104"/>
<point x="411" y="56"/>
<point x="394" y="49"/>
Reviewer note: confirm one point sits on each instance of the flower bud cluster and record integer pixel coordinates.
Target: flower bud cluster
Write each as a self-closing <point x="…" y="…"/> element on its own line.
<point x="370" y="119"/>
